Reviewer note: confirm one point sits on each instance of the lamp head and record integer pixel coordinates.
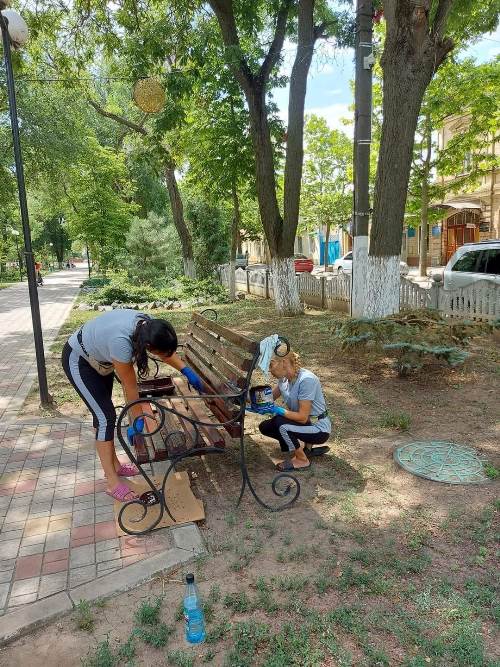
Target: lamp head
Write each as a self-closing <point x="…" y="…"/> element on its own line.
<point x="16" y="26"/>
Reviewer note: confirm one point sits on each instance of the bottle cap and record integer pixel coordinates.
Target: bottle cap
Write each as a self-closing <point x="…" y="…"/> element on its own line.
<point x="189" y="578"/>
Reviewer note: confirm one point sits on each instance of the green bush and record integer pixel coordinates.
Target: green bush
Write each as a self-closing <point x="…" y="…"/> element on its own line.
<point x="184" y="289"/>
<point x="98" y="281"/>
<point x="203" y="289"/>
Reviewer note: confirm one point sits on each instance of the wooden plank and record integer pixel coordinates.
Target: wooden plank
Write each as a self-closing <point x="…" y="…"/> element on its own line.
<point x="193" y="438"/>
<point x="238" y="339"/>
<point x="140" y="449"/>
<point x="199" y="411"/>
<point x="228" y="353"/>
<point x="216" y="362"/>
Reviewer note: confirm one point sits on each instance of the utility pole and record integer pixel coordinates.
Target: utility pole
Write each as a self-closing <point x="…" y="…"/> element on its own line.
<point x="45" y="397"/>
<point x="362" y="140"/>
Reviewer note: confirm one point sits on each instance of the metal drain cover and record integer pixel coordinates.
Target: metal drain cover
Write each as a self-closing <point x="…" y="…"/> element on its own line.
<point x="441" y="462"/>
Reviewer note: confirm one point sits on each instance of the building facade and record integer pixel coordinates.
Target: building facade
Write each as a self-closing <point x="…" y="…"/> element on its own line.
<point x="468" y="215"/>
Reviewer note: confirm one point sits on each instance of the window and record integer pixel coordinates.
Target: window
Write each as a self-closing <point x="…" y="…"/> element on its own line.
<point x="348" y="256"/>
<point x="493" y="262"/>
<point x="467" y="162"/>
<point x="474" y="261"/>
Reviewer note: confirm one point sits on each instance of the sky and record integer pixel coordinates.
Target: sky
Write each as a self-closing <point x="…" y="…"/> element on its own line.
<point x="329" y="91"/>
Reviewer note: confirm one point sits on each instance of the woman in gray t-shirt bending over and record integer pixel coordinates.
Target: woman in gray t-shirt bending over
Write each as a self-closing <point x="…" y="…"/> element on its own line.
<point x="305" y="420"/>
<point x="113" y="343"/>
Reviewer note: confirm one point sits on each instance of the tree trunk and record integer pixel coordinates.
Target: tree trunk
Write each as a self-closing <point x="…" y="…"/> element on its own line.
<point x="280" y="236"/>
<point x="413" y="52"/>
<point x="295" y="131"/>
<point x="235" y="231"/>
<point x="179" y="222"/>
<point x="327" y="243"/>
<point x="286" y="291"/>
<point x="424" y="216"/>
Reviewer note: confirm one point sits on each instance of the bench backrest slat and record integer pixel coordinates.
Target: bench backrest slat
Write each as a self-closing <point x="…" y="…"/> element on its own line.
<point x="216" y="362"/>
<point x="231" y="353"/>
<point x="239" y="340"/>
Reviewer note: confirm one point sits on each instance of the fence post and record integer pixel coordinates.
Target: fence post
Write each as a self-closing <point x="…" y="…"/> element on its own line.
<point x="435" y="287"/>
<point x="267" y="284"/>
<point x="323" y="296"/>
<point x="248" y="281"/>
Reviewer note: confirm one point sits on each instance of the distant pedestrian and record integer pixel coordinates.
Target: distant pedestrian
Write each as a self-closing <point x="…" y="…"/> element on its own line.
<point x="38" y="273"/>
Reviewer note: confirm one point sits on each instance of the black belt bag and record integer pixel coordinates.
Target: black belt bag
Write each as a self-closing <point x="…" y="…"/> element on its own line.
<point x="315" y="418"/>
<point x="103" y="368"/>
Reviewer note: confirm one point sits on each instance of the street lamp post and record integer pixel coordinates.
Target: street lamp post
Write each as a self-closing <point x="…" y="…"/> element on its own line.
<point x="14" y="33"/>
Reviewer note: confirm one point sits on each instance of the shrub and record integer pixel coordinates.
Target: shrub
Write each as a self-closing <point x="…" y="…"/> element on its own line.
<point x="98" y="281"/>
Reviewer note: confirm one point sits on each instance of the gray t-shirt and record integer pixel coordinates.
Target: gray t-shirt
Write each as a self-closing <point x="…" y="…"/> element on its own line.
<point x="306" y="387"/>
<point x="109" y="336"/>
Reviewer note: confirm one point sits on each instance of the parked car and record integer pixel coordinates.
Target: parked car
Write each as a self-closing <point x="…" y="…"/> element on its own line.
<point x="473" y="262"/>
<point x="241" y="261"/>
<point x="344" y="265"/>
<point x="303" y="264"/>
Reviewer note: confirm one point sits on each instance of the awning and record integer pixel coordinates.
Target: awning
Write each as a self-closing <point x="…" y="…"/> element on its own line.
<point x="460" y="205"/>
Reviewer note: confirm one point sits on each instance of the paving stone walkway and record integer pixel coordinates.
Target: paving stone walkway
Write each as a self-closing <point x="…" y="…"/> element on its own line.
<point x="57" y="523"/>
<point x="17" y="349"/>
<point x="57" y="528"/>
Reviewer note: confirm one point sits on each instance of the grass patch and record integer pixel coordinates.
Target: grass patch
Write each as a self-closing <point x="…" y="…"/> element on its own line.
<point x="398" y="420"/>
<point x="148" y="612"/>
<point x="490" y="471"/>
<point x="100" y="656"/>
<point x="180" y="659"/>
<point x="238" y="602"/>
<point x="84" y="617"/>
<point x="155" y="635"/>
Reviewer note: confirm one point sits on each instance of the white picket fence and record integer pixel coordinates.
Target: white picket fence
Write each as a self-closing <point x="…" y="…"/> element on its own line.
<point x="478" y="302"/>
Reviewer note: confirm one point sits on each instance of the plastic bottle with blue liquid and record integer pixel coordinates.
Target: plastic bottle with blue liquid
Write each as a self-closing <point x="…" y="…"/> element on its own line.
<point x="193" y="613"/>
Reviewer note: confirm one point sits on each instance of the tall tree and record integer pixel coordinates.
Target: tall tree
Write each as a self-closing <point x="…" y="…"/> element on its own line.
<point x="241" y="24"/>
<point x="420" y="34"/>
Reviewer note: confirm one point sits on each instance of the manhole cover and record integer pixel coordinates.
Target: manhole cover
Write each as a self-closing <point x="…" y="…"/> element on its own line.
<point x="441" y="462"/>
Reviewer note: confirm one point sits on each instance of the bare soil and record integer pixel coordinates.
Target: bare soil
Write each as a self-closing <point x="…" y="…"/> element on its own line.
<point x="372" y="566"/>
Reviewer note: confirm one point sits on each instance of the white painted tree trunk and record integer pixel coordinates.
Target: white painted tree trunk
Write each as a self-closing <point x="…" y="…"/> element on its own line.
<point x="382" y="287"/>
<point x="232" y="281"/>
<point x="359" y="278"/>
<point x="286" y="291"/>
<point x="189" y="268"/>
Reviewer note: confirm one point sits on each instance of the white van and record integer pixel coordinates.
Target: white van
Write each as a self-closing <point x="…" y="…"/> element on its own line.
<point x="473" y="262"/>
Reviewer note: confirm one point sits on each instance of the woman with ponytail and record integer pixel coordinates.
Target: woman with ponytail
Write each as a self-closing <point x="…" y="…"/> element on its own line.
<point x="113" y="343"/>
<point x="304" y="422"/>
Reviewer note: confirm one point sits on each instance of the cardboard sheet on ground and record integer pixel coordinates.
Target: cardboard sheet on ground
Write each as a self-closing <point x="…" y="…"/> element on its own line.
<point x="183" y="504"/>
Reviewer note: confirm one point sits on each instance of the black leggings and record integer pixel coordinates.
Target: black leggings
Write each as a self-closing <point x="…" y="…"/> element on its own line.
<point x="288" y="433"/>
<point x="94" y="389"/>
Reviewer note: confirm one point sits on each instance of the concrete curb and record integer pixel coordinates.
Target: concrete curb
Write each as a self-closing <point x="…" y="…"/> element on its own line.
<point x="188" y="544"/>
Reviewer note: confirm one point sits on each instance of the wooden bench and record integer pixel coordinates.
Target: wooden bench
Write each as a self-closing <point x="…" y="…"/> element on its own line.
<point x="192" y="424"/>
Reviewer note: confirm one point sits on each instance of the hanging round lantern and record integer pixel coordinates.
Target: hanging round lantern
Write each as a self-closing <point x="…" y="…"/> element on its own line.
<point x="149" y="95"/>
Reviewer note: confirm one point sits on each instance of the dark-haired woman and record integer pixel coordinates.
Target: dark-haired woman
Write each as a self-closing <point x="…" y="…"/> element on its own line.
<point x="113" y="343"/>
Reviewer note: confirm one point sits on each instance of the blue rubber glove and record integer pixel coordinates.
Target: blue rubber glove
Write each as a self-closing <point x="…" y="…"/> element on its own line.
<point x="192" y="378"/>
<point x="136" y="428"/>
<point x="272" y="410"/>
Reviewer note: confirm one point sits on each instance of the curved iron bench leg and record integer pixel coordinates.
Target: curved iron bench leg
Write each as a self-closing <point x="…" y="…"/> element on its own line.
<point x="282" y="493"/>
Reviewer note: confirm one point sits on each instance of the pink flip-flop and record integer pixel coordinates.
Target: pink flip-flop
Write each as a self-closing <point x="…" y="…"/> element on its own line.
<point x="121" y="492"/>
<point x="127" y="470"/>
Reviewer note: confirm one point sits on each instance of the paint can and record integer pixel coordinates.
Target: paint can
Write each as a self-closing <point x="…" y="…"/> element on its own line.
<point x="261" y="396"/>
